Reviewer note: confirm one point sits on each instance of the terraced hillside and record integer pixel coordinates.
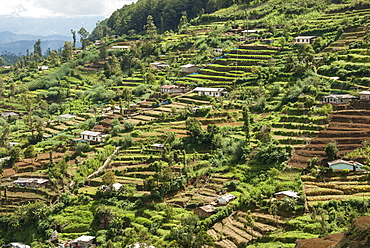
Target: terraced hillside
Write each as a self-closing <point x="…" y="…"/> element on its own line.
<point x="241" y="227"/>
<point x="347" y="128"/>
<point x="236" y="64"/>
<point x="346" y="38"/>
<point x="14" y="197"/>
<point x="338" y="187"/>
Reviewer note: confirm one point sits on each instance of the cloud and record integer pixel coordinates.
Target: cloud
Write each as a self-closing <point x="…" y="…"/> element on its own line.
<point x="47" y="8"/>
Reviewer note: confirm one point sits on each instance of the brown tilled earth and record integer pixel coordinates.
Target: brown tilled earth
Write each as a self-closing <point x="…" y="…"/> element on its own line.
<point x="348" y="128"/>
<point x="357" y="236"/>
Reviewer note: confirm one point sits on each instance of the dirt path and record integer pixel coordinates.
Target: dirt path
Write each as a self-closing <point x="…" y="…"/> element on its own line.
<point x="106" y="163"/>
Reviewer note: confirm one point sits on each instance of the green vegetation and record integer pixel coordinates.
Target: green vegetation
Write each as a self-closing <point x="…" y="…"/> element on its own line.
<point x="160" y="156"/>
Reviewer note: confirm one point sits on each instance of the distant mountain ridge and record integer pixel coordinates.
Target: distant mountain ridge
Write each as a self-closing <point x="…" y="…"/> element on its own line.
<point x="19" y="43"/>
<point x="49" y="26"/>
<point x="17" y="34"/>
<point x="7" y="37"/>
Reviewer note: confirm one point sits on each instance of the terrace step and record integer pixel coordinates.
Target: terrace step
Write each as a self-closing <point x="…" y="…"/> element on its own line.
<point x="268" y="219"/>
<point x="225" y="243"/>
<point x="213" y="234"/>
<point x="238" y="229"/>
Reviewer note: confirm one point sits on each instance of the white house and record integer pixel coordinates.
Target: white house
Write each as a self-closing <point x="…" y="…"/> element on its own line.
<point x="159" y="147"/>
<point x="12" y="144"/>
<point x="171" y="89"/>
<point x="43" y="68"/>
<point x="119" y="48"/>
<point x="159" y="65"/>
<point x="84" y="241"/>
<point x="2" y="160"/>
<point x="31" y="182"/>
<point x="215" y="92"/>
<point x="301" y="40"/>
<point x="117" y="186"/>
<point x="250" y="31"/>
<point x="67" y="116"/>
<point x="218" y="51"/>
<point x="93" y="136"/>
<point x="345" y="165"/>
<point x="364" y="95"/>
<point x="225" y="199"/>
<point x="287" y="193"/>
<point x="17" y="245"/>
<point x="9" y="114"/>
<point x="338" y="99"/>
<point x="189" y="68"/>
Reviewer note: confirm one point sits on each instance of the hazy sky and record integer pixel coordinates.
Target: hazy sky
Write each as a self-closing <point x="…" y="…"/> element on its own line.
<point x="62" y="8"/>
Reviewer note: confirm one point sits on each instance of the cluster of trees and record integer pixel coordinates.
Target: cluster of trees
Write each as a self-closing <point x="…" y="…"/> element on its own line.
<point x="166" y="14"/>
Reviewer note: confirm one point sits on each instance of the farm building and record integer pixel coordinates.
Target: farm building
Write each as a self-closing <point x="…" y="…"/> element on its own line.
<point x="9" y="114"/>
<point x="205" y="211"/>
<point x="141" y="245"/>
<point x="67" y="116"/>
<point x="117" y="186"/>
<point x="17" y="245"/>
<point x="43" y="68"/>
<point x="364" y="95"/>
<point x="287" y="193"/>
<point x="159" y="147"/>
<point x="4" y="159"/>
<point x="119" y="48"/>
<point x="217" y="51"/>
<point x="159" y="65"/>
<point x="194" y="109"/>
<point x="225" y="199"/>
<point x="75" y="52"/>
<point x="215" y="92"/>
<point x="345" y="165"/>
<point x="84" y="241"/>
<point x="250" y="31"/>
<point x="301" y="40"/>
<point x="171" y="89"/>
<point x="98" y="42"/>
<point x="338" y="99"/>
<point x="93" y="136"/>
<point x="31" y="182"/>
<point x="13" y="144"/>
<point x="189" y="68"/>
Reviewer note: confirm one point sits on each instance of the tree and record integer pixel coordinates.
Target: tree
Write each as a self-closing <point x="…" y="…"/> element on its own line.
<point x="4" y="134"/>
<point x="190" y="234"/>
<point x="183" y="21"/>
<point x="37" y="53"/>
<point x="103" y="51"/>
<point x="30" y="152"/>
<point x="73" y="37"/>
<point x="109" y="178"/>
<point x="14" y="154"/>
<point x="127" y="95"/>
<point x="247" y="123"/>
<point x="83" y="37"/>
<point x="67" y="50"/>
<point x="331" y="151"/>
<point x="194" y="129"/>
<point x="150" y="28"/>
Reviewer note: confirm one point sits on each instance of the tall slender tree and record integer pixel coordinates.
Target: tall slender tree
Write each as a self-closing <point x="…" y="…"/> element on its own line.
<point x="73" y="37"/>
<point x="37" y="52"/>
<point x="150" y="28"/>
<point x="83" y="37"/>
